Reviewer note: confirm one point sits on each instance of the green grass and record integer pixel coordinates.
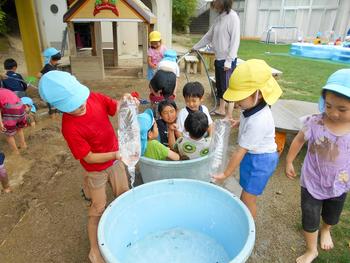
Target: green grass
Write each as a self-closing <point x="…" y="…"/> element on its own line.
<point x="4" y="44"/>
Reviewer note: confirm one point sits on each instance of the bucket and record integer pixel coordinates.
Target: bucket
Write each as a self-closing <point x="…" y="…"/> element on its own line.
<point x="152" y="170"/>
<point x="176" y="220"/>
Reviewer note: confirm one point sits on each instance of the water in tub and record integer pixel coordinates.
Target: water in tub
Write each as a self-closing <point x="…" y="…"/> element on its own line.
<point x="177" y="245"/>
<point x="129" y="136"/>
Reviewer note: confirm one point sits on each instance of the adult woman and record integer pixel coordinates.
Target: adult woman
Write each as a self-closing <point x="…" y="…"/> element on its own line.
<point x="224" y="36"/>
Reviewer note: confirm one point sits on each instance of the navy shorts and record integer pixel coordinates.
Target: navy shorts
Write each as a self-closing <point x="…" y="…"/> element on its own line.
<point x="255" y="171"/>
<point x="222" y="77"/>
<point x="312" y="209"/>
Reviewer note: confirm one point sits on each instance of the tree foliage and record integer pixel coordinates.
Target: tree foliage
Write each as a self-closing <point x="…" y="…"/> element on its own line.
<point x="3" y="28"/>
<point x="183" y="10"/>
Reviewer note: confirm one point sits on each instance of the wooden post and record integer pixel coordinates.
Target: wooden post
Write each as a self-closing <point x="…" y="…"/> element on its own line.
<point x="71" y="39"/>
<point x="115" y="44"/>
<point x="93" y="38"/>
<point x="144" y="49"/>
<point x="29" y="35"/>
<point x="98" y="45"/>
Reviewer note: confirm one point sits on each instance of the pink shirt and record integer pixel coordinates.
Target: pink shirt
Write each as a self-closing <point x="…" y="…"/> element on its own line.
<point x="156" y="54"/>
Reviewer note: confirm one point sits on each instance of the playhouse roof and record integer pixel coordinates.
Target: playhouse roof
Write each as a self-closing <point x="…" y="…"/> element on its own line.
<point x="118" y="10"/>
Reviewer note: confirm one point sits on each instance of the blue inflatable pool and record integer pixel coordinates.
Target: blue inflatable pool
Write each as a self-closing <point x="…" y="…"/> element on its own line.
<point x="178" y="221"/>
<point x="335" y="53"/>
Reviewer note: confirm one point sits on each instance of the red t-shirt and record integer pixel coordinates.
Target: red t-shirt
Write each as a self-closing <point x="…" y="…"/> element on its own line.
<point x="92" y="132"/>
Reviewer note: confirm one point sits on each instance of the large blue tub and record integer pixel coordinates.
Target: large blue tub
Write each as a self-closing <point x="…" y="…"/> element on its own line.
<point x="330" y="52"/>
<point x="176" y="220"/>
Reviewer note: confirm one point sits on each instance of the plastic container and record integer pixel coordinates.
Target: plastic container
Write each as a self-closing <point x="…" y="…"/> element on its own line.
<point x="134" y="227"/>
<point x="152" y="170"/>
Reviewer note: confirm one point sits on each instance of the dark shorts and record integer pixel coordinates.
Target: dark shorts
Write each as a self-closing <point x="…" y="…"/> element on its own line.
<point x="312" y="209"/>
<point x="222" y="77"/>
<point x="255" y="171"/>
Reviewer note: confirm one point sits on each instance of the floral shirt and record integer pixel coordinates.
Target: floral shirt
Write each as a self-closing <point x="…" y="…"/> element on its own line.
<point x="326" y="169"/>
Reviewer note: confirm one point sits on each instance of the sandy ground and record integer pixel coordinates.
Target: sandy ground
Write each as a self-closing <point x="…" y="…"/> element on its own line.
<point x="44" y="219"/>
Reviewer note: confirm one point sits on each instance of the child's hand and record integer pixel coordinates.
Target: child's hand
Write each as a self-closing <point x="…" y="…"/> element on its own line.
<point x="218" y="178"/>
<point x="234" y="123"/>
<point x="2" y="127"/>
<point x="117" y="156"/>
<point x="128" y="96"/>
<point x="290" y="173"/>
<point x="172" y="127"/>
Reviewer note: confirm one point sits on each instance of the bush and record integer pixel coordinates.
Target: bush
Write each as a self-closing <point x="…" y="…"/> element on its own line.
<point x="183" y="10"/>
<point x="3" y="28"/>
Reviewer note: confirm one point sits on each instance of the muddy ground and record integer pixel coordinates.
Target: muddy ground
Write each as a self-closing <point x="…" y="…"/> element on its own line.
<point x="44" y="218"/>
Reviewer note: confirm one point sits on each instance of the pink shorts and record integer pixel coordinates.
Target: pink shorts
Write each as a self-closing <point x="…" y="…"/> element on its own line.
<point x="13" y="118"/>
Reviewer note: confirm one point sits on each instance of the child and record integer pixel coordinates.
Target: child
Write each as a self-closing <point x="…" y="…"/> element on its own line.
<point x="325" y="173"/>
<point x="253" y="88"/>
<point x="196" y="145"/>
<point x="3" y="175"/>
<point x="12" y="118"/>
<point x="167" y="110"/>
<point x="14" y="80"/>
<point x="168" y="63"/>
<point x="52" y="56"/>
<point x="91" y="138"/>
<point x="155" y="53"/>
<point x="30" y="110"/>
<point x="150" y="146"/>
<point x="193" y="93"/>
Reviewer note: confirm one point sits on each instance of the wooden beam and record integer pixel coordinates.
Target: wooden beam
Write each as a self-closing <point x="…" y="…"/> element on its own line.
<point x="115" y="44"/>
<point x="144" y="28"/>
<point x="29" y="35"/>
<point x="71" y="39"/>
<point x="98" y="45"/>
<point x="93" y="39"/>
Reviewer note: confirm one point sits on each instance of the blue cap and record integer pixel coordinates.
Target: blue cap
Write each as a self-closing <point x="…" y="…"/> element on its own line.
<point x="48" y="53"/>
<point x="146" y="121"/>
<point x="29" y="101"/>
<point x="62" y="90"/>
<point x="339" y="82"/>
<point x="170" y="55"/>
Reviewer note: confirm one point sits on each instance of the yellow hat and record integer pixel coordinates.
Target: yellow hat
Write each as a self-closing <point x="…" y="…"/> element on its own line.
<point x="250" y="76"/>
<point x="154" y="36"/>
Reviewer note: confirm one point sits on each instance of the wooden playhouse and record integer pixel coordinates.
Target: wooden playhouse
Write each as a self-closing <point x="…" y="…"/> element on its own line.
<point x="95" y="63"/>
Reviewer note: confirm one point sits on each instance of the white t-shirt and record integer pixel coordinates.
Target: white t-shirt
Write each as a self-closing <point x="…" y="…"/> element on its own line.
<point x="257" y="132"/>
<point x="169" y="66"/>
<point x="189" y="148"/>
<point x="181" y="117"/>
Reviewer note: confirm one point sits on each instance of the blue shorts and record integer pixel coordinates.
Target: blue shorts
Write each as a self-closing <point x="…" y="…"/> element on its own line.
<point x="255" y="171"/>
<point x="150" y="73"/>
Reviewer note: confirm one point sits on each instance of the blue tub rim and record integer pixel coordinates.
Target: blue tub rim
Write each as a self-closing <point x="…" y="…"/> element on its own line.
<point x="242" y="256"/>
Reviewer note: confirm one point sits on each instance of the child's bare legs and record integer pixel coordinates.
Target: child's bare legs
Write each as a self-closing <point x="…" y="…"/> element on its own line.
<point x="250" y="201"/>
<point x="311" y="248"/>
<point x="4" y="179"/>
<point x="326" y="241"/>
<point x="12" y="142"/>
<point x="230" y="107"/>
<point x="94" y="254"/>
<point x="22" y="141"/>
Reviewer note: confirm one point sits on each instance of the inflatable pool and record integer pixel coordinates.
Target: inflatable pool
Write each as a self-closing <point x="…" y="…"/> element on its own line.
<point x="178" y="221"/>
<point x="152" y="170"/>
<point x="330" y="52"/>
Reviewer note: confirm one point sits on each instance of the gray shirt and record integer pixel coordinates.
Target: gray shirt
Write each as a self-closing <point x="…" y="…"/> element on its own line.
<point x="224" y="36"/>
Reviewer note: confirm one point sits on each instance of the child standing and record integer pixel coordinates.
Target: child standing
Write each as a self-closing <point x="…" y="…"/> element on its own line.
<point x="14" y="81"/>
<point x="3" y="175"/>
<point x="253" y="88"/>
<point x="12" y="118"/>
<point x="150" y="146"/>
<point x="196" y="145"/>
<point x="167" y="110"/>
<point x="193" y="93"/>
<point x="155" y="53"/>
<point x="326" y="172"/>
<point x="91" y="138"/>
<point x="30" y="110"/>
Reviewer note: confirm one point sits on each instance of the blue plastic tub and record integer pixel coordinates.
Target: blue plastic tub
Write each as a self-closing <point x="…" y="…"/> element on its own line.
<point x="330" y="52"/>
<point x="177" y="220"/>
<point x="152" y="170"/>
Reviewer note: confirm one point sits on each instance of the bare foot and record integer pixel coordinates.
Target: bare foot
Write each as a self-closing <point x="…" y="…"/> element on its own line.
<point x="326" y="241"/>
<point x="308" y="257"/>
<point x="95" y="257"/>
<point x="7" y="190"/>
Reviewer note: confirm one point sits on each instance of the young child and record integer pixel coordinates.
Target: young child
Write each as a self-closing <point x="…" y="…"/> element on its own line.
<point x="325" y="173"/>
<point x="196" y="145"/>
<point x="3" y="175"/>
<point x="193" y="93"/>
<point x="253" y="88"/>
<point x="167" y="110"/>
<point x="30" y="110"/>
<point x="90" y="136"/>
<point x="14" y="81"/>
<point x="52" y="57"/>
<point x="150" y="146"/>
<point x="155" y="53"/>
<point x="12" y="118"/>
<point x="168" y="63"/>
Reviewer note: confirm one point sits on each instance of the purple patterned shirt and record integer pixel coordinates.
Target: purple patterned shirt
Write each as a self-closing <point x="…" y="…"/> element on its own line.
<point x="326" y="169"/>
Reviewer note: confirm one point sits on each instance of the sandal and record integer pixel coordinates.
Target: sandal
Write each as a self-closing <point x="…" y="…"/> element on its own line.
<point x="214" y="113"/>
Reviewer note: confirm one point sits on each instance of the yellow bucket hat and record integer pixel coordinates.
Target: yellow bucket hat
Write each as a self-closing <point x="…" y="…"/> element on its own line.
<point x="154" y="36"/>
<point x="250" y="76"/>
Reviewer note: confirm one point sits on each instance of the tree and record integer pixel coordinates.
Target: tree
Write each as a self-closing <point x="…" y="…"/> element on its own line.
<point x="183" y="10"/>
<point x="3" y="28"/>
